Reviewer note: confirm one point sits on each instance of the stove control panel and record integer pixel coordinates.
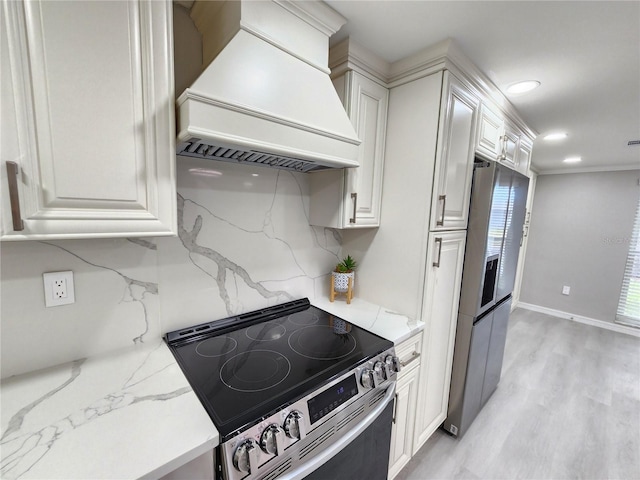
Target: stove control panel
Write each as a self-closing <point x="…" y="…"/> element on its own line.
<point x="268" y="439"/>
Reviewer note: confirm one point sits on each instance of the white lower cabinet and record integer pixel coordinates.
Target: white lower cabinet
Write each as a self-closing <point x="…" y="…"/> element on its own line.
<point x="88" y="135"/>
<point x="440" y="314"/>
<point x="405" y="409"/>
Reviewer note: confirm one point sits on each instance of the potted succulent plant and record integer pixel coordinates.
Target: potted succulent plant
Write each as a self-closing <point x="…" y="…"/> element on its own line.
<point x="341" y="275"/>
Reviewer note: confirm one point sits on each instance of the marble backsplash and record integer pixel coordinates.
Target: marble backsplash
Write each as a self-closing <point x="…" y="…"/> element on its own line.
<point x="244" y="242"/>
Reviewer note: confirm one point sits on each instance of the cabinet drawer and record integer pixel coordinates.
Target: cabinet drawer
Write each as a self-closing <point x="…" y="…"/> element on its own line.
<point x="409" y="352"/>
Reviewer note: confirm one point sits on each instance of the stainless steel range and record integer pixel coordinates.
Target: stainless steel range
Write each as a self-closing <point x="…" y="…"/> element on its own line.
<point x="294" y="392"/>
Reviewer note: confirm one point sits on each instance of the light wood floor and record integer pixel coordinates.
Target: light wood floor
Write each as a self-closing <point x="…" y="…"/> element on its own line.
<point x="567" y="407"/>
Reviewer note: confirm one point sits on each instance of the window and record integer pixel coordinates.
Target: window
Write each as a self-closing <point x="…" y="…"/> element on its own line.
<point x="629" y="305"/>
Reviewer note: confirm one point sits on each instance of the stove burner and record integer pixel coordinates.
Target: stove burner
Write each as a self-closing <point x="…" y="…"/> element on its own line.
<point x="255" y="370"/>
<point x="322" y="342"/>
<point x="216" y="346"/>
<point x="265" y="332"/>
<point x="304" y="318"/>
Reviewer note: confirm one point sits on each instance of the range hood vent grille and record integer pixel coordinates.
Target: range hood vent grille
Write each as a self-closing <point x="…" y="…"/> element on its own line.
<point x="198" y="149"/>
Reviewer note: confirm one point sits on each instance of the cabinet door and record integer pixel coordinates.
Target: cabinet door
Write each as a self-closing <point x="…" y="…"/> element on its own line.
<point x="440" y="312"/>
<point x="368" y="112"/>
<point x="525" y="239"/>
<point x="524" y="156"/>
<point x="92" y="100"/>
<point x="454" y="156"/>
<point x="352" y="197"/>
<point x="490" y="130"/>
<point x="403" y="422"/>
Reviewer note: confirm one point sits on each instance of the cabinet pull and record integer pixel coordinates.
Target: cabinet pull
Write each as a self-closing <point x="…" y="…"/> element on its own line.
<point x="440" y="222"/>
<point x="503" y="156"/>
<point x="414" y="357"/>
<point x="525" y="234"/>
<point x="439" y="242"/>
<point x="14" y="196"/>
<point x="354" y="197"/>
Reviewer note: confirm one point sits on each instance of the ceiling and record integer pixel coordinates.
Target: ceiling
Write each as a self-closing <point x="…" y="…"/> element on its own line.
<point x="586" y="54"/>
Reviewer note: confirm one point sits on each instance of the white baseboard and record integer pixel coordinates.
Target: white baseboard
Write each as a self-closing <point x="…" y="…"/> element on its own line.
<point x="616" y="327"/>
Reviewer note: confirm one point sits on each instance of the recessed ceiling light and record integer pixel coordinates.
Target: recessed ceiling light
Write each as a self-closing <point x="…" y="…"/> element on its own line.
<point x="522" y="87"/>
<point x="572" y="160"/>
<point x="555" y="136"/>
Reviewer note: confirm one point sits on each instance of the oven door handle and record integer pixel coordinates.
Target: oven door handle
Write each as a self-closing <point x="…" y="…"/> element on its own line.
<point x="316" y="462"/>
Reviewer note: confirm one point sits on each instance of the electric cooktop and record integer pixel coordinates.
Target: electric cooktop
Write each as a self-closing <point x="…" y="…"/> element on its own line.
<point x="244" y="368"/>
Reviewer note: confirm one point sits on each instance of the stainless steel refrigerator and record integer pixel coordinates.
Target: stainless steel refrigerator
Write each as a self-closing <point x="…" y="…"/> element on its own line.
<point x="496" y="217"/>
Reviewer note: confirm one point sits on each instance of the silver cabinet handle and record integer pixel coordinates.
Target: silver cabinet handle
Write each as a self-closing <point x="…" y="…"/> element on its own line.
<point x="442" y="198"/>
<point x="503" y="155"/>
<point x="14" y="196"/>
<point x="439" y="242"/>
<point x="525" y="233"/>
<point x="414" y="357"/>
<point x="354" y="197"/>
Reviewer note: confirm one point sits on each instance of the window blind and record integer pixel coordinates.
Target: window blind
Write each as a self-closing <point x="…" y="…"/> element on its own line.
<point x="629" y="304"/>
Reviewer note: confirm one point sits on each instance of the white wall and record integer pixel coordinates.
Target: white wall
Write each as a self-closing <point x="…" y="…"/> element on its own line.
<point x="244" y="243"/>
<point x="579" y="236"/>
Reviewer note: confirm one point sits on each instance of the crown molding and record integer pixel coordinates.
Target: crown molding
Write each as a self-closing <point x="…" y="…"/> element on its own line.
<point x="564" y="171"/>
<point x="350" y="55"/>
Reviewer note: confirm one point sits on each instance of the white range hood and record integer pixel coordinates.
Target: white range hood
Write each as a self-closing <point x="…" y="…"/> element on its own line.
<point x="266" y="97"/>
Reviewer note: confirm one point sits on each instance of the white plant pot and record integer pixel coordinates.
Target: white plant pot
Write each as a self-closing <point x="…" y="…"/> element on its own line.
<point x="341" y="281"/>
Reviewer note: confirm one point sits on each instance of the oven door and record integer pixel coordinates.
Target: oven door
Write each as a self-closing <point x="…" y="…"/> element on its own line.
<point x="362" y="452"/>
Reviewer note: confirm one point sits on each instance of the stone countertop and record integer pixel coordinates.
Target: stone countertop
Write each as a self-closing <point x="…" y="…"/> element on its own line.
<point x="379" y="320"/>
<point x="128" y="414"/>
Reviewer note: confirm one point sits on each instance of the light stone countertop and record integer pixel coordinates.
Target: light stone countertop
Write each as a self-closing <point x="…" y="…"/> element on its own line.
<point x="379" y="320"/>
<point x="128" y="414"/>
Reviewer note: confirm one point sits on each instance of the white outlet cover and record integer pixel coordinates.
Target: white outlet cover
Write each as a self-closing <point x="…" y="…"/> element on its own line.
<point x="49" y="279"/>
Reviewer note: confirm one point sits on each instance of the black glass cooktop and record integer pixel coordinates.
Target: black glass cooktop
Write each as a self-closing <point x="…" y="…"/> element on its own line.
<point x="247" y="367"/>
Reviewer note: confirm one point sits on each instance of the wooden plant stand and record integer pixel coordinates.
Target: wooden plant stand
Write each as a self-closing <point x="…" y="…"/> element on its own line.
<point x="348" y="293"/>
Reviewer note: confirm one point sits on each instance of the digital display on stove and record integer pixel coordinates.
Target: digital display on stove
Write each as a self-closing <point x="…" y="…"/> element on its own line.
<point x="327" y="401"/>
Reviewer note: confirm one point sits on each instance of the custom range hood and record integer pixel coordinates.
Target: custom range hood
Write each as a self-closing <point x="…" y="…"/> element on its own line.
<point x="266" y="97"/>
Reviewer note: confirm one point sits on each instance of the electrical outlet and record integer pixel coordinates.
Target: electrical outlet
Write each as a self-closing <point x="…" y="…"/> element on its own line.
<point x="58" y="288"/>
<point x="566" y="290"/>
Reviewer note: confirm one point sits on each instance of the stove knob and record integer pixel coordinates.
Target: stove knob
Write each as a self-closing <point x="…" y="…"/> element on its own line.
<point x="272" y="440"/>
<point x="380" y="371"/>
<point x="367" y="378"/>
<point x="392" y="363"/>
<point x="245" y="458"/>
<point x="294" y="425"/>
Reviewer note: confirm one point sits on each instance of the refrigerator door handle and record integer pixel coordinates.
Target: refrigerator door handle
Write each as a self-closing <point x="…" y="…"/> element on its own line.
<point x="439" y="242"/>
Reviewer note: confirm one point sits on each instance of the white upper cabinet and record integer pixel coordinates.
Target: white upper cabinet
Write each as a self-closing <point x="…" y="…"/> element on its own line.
<point x="501" y="140"/>
<point x="351" y="198"/>
<point x="454" y="156"/>
<point x="87" y="120"/>
<point x="489" y="133"/>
